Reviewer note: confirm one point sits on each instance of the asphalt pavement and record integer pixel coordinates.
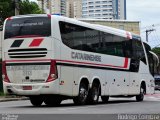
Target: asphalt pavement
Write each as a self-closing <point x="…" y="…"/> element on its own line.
<point x="20" y="108"/>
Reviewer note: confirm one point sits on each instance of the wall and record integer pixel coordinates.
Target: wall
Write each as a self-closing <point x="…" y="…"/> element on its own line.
<point x="131" y="26"/>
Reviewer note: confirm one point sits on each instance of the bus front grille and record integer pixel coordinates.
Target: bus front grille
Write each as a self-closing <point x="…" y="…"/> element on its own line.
<point x="27" y="53"/>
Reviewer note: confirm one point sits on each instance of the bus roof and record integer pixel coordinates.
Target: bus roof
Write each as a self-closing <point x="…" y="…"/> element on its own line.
<point x="107" y="29"/>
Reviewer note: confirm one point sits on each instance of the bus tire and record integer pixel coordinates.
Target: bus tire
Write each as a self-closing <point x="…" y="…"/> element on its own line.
<point x="36" y="100"/>
<point x="52" y="101"/>
<point x="82" y="95"/>
<point x="140" y="97"/>
<point x="94" y="93"/>
<point x="105" y="99"/>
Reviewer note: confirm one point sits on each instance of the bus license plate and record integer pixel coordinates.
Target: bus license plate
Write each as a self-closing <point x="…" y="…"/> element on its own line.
<point x="27" y="87"/>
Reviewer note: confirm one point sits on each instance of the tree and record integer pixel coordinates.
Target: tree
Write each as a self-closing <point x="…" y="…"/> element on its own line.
<point x="7" y="8"/>
<point x="156" y="50"/>
<point x="27" y="7"/>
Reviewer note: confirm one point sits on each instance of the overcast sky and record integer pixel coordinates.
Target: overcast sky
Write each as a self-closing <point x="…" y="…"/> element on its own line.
<point x="148" y="13"/>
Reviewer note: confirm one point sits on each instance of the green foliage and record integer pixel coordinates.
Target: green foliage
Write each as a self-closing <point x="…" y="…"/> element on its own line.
<point x="27" y="7"/>
<point x="156" y="50"/>
<point x="1" y="93"/>
<point x="7" y="8"/>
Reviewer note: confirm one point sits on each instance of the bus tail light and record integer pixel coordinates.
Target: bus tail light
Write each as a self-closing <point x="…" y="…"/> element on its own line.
<point x="4" y="72"/>
<point x="53" y="75"/>
<point x="9" y="18"/>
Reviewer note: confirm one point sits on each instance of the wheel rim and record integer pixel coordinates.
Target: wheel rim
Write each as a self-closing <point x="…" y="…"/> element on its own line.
<point x="95" y="94"/>
<point x="142" y="93"/>
<point x="83" y="94"/>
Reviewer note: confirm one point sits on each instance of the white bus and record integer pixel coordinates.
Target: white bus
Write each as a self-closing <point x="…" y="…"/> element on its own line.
<point x="51" y="58"/>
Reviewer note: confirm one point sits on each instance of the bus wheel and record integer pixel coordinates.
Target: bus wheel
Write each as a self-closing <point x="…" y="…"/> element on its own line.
<point x="52" y="101"/>
<point x="82" y="96"/>
<point x="94" y="93"/>
<point x="105" y="99"/>
<point x="140" y="97"/>
<point x="36" y="100"/>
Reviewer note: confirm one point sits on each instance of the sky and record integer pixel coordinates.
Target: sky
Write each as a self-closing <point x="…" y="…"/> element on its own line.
<point x="148" y="13"/>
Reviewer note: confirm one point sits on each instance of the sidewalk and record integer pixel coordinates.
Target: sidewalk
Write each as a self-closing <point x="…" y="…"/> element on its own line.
<point x="12" y="98"/>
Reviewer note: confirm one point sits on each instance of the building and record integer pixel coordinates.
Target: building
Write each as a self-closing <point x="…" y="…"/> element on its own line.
<point x="131" y="26"/>
<point x="104" y="9"/>
<point x="97" y="9"/>
<point x="70" y="8"/>
<point x="74" y="8"/>
<point x="53" y="6"/>
<point x="77" y="8"/>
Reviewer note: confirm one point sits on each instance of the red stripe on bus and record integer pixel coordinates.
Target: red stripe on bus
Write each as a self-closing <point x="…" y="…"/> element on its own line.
<point x="128" y="35"/>
<point x="102" y="65"/>
<point x="36" y="42"/>
<point x="125" y="65"/>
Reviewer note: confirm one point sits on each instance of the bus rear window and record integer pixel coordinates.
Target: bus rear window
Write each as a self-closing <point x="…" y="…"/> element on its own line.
<point x="28" y="26"/>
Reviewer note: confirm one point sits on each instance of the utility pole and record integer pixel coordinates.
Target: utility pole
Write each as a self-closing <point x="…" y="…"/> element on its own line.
<point x="42" y="6"/>
<point x="148" y="32"/>
<point x="16" y="2"/>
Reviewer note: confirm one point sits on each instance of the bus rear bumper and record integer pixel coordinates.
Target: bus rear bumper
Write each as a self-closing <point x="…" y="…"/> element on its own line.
<point x="31" y="89"/>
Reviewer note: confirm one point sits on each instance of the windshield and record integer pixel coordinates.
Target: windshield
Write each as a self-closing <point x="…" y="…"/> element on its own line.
<point x="28" y="27"/>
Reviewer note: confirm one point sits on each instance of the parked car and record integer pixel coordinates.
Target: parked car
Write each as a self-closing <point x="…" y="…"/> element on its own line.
<point x="157" y="82"/>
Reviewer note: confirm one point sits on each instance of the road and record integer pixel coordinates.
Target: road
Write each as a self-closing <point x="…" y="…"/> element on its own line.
<point x="116" y="106"/>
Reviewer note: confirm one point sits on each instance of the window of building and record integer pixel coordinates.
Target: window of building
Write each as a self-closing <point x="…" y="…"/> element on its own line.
<point x="98" y="10"/>
<point x="98" y="2"/>
<point x="98" y="6"/>
<point x="105" y="10"/>
<point x="91" y="10"/>
<point x="90" y="3"/>
<point x="91" y="6"/>
<point x="104" y="1"/>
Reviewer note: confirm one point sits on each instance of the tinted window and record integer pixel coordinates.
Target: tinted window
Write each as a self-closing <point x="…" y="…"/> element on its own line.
<point x="150" y="59"/>
<point x="113" y="45"/>
<point x="32" y="26"/>
<point x="138" y="51"/>
<point x="86" y="39"/>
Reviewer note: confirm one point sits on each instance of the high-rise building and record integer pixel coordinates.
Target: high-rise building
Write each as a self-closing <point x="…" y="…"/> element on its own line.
<point x="96" y="9"/>
<point x="119" y="9"/>
<point x="104" y="9"/>
<point x="70" y="8"/>
<point x="53" y="6"/>
<point x="74" y="8"/>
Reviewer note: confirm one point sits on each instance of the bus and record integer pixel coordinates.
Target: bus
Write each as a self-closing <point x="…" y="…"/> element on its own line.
<point x="51" y="58"/>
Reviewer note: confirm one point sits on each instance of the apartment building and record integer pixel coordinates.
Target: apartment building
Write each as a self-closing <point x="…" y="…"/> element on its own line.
<point x="97" y="9"/>
<point x="53" y="6"/>
<point x="104" y="9"/>
<point x="74" y="8"/>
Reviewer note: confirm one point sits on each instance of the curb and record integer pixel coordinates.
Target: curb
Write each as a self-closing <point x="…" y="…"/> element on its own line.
<point x="5" y="99"/>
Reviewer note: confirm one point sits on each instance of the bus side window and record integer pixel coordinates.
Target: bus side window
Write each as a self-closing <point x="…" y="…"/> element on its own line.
<point x="151" y="63"/>
<point x="138" y="51"/>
